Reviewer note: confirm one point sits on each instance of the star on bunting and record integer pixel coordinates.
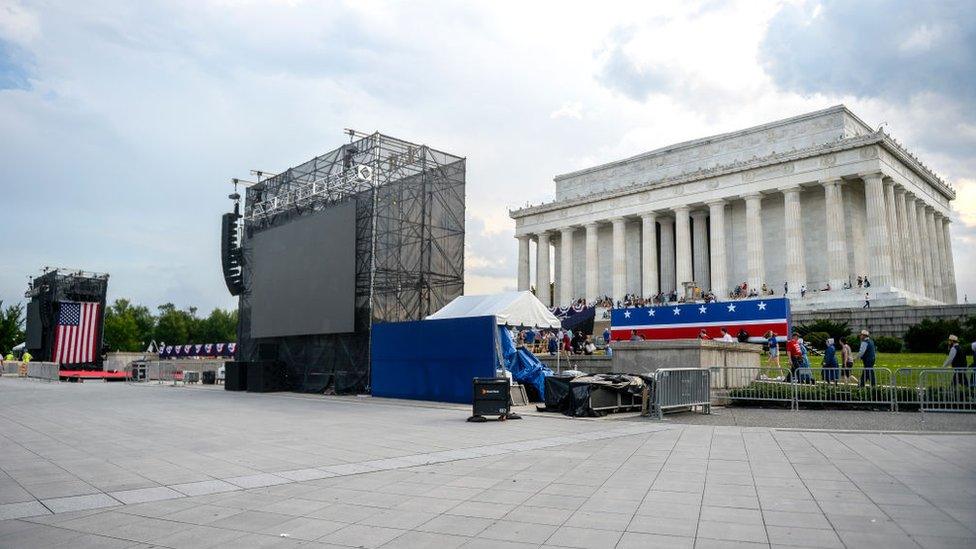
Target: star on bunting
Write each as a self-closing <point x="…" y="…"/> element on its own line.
<point x="701" y="310"/>
<point x="677" y="311"/>
<point x="762" y="305"/>
<point x="731" y="307"/>
<point x="650" y="312"/>
<point x="626" y="314"/>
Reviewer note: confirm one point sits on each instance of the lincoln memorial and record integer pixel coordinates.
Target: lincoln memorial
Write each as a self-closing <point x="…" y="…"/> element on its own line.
<point x="814" y="200"/>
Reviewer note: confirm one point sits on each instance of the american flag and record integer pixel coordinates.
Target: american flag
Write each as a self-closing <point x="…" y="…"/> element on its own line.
<point x="684" y="321"/>
<point x="74" y="340"/>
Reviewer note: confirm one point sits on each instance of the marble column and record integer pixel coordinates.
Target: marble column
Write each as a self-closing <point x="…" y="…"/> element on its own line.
<point x="649" y="284"/>
<point x="838" y="271"/>
<point x="932" y="251"/>
<point x="755" y="264"/>
<point x="682" y="248"/>
<point x="523" y="262"/>
<point x="719" y="283"/>
<point x="592" y="263"/>
<point x="566" y="296"/>
<point x="952" y="296"/>
<point x="699" y="246"/>
<point x="619" y="259"/>
<point x="903" y="246"/>
<point x="667" y="254"/>
<point x="879" y="257"/>
<point x="943" y="261"/>
<point x="796" y="270"/>
<point x="914" y="251"/>
<point x="891" y="220"/>
<point x="923" y="249"/>
<point x="542" y="273"/>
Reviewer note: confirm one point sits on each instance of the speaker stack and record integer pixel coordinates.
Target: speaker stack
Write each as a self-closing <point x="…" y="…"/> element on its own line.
<point x="266" y="376"/>
<point x="235" y="376"/>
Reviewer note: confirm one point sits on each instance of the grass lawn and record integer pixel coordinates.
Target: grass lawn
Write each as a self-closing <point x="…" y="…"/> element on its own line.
<point x="892" y="360"/>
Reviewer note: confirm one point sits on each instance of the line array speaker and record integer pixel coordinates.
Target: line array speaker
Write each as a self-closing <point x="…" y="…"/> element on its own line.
<point x="230" y="253"/>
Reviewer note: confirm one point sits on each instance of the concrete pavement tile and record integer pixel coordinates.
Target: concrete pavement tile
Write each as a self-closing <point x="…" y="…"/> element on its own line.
<point x="482" y="543"/>
<point x="638" y="540"/>
<point x="426" y="540"/>
<point x="731" y="514"/>
<point x="144" y="495"/>
<point x="525" y="532"/>
<point x="341" y="512"/>
<point x="357" y="535"/>
<point x="305" y="528"/>
<point x="202" y="514"/>
<point x="21" y="510"/>
<point x="398" y="518"/>
<point x="481" y="509"/>
<point x="600" y="520"/>
<point x="583" y="538"/>
<point x="540" y="515"/>
<point x="730" y="531"/>
<point x="705" y="543"/>
<point x="79" y="503"/>
<point x="888" y="541"/>
<point x="938" y="542"/>
<point x="805" y="537"/>
<point x="204" y="487"/>
<point x="256" y="481"/>
<point x="198" y="537"/>
<point x="682" y="527"/>
<point x="251" y="521"/>
<point x="305" y="474"/>
<point x="456" y="525"/>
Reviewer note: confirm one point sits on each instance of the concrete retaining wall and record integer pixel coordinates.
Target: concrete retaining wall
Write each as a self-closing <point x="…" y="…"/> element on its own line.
<point x="593" y="364"/>
<point x="886" y="321"/>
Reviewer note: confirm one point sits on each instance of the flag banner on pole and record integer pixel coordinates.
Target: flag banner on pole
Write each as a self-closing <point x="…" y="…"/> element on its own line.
<point x="686" y="320"/>
<point x="75" y="333"/>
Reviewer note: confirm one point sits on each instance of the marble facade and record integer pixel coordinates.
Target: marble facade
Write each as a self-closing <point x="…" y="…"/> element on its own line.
<point x="814" y="199"/>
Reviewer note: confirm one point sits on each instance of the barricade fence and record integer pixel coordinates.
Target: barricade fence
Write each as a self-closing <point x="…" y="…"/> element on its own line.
<point x="162" y="371"/>
<point x="47" y="371"/>
<point x="680" y="388"/>
<point x="926" y="389"/>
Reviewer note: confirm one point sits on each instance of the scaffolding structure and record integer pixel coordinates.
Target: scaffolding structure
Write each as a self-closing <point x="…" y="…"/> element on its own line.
<point x="46" y="292"/>
<point x="409" y="247"/>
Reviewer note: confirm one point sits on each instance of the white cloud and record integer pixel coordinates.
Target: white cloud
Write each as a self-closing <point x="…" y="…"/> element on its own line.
<point x="139" y="113"/>
<point x="569" y="109"/>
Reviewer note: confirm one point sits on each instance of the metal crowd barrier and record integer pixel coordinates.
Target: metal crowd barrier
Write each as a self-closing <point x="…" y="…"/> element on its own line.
<point x="681" y="388"/>
<point x="48" y="371"/>
<point x="947" y="390"/>
<point x="930" y="389"/>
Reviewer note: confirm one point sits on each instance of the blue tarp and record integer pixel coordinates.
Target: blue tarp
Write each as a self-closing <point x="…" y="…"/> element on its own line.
<point x="525" y="367"/>
<point x="432" y="359"/>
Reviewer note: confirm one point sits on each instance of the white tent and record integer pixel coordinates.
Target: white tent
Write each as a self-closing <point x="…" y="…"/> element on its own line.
<point x="510" y="308"/>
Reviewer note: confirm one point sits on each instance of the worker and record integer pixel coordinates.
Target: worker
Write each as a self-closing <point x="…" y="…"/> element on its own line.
<point x="26" y="357"/>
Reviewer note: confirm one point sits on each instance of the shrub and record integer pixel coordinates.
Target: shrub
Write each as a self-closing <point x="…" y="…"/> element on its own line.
<point x="888" y="344"/>
<point x="929" y="336"/>
<point x="817" y="339"/>
<point x="836" y="330"/>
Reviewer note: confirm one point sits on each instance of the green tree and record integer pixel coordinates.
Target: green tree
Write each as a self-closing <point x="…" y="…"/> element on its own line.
<point x="176" y="326"/>
<point x="128" y="327"/>
<point x="219" y="327"/>
<point x="11" y="326"/>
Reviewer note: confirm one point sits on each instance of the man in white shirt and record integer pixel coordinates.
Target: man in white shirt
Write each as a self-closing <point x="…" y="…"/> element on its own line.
<point x="727" y="337"/>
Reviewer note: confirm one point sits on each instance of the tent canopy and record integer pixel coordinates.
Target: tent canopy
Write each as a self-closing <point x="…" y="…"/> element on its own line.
<point x="509" y="308"/>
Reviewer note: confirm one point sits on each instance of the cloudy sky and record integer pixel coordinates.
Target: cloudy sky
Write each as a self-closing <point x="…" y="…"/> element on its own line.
<point x="122" y="122"/>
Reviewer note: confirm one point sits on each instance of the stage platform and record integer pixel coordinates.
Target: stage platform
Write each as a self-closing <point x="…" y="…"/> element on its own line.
<point x="85" y="375"/>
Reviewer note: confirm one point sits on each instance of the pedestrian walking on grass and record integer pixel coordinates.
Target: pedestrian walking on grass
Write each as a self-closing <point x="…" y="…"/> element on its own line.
<point x="831" y="370"/>
<point x="773" y="344"/>
<point x="795" y="353"/>
<point x="957" y="360"/>
<point x="846" y="358"/>
<point x="867" y="355"/>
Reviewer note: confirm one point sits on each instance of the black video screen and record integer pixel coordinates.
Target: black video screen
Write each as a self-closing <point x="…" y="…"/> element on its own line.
<point x="303" y="275"/>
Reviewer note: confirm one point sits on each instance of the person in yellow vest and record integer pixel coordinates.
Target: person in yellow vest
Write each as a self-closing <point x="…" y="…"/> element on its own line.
<point x="26" y="357"/>
<point x="10" y="356"/>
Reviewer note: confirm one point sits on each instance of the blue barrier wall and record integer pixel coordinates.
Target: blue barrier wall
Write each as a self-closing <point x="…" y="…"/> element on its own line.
<point x="432" y="359"/>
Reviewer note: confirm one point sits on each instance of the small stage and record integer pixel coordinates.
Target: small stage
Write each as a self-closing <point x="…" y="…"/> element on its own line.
<point x="84" y="375"/>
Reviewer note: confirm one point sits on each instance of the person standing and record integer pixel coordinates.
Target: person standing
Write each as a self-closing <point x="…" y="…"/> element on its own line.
<point x="846" y="359"/>
<point x="867" y="300"/>
<point x="606" y="336"/>
<point x="795" y="354"/>
<point x="773" y="344"/>
<point x="552" y="345"/>
<point x="957" y="359"/>
<point x="727" y="337"/>
<point x="867" y="355"/>
<point x="803" y="290"/>
<point x="830" y="368"/>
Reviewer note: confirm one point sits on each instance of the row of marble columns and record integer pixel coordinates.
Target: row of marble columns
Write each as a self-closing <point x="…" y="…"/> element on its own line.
<point x="907" y="246"/>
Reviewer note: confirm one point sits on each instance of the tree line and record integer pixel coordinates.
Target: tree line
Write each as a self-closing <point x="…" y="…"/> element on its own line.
<point x="130" y="327"/>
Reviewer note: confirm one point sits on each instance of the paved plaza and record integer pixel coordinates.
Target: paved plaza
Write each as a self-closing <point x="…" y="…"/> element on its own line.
<point x="114" y="465"/>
